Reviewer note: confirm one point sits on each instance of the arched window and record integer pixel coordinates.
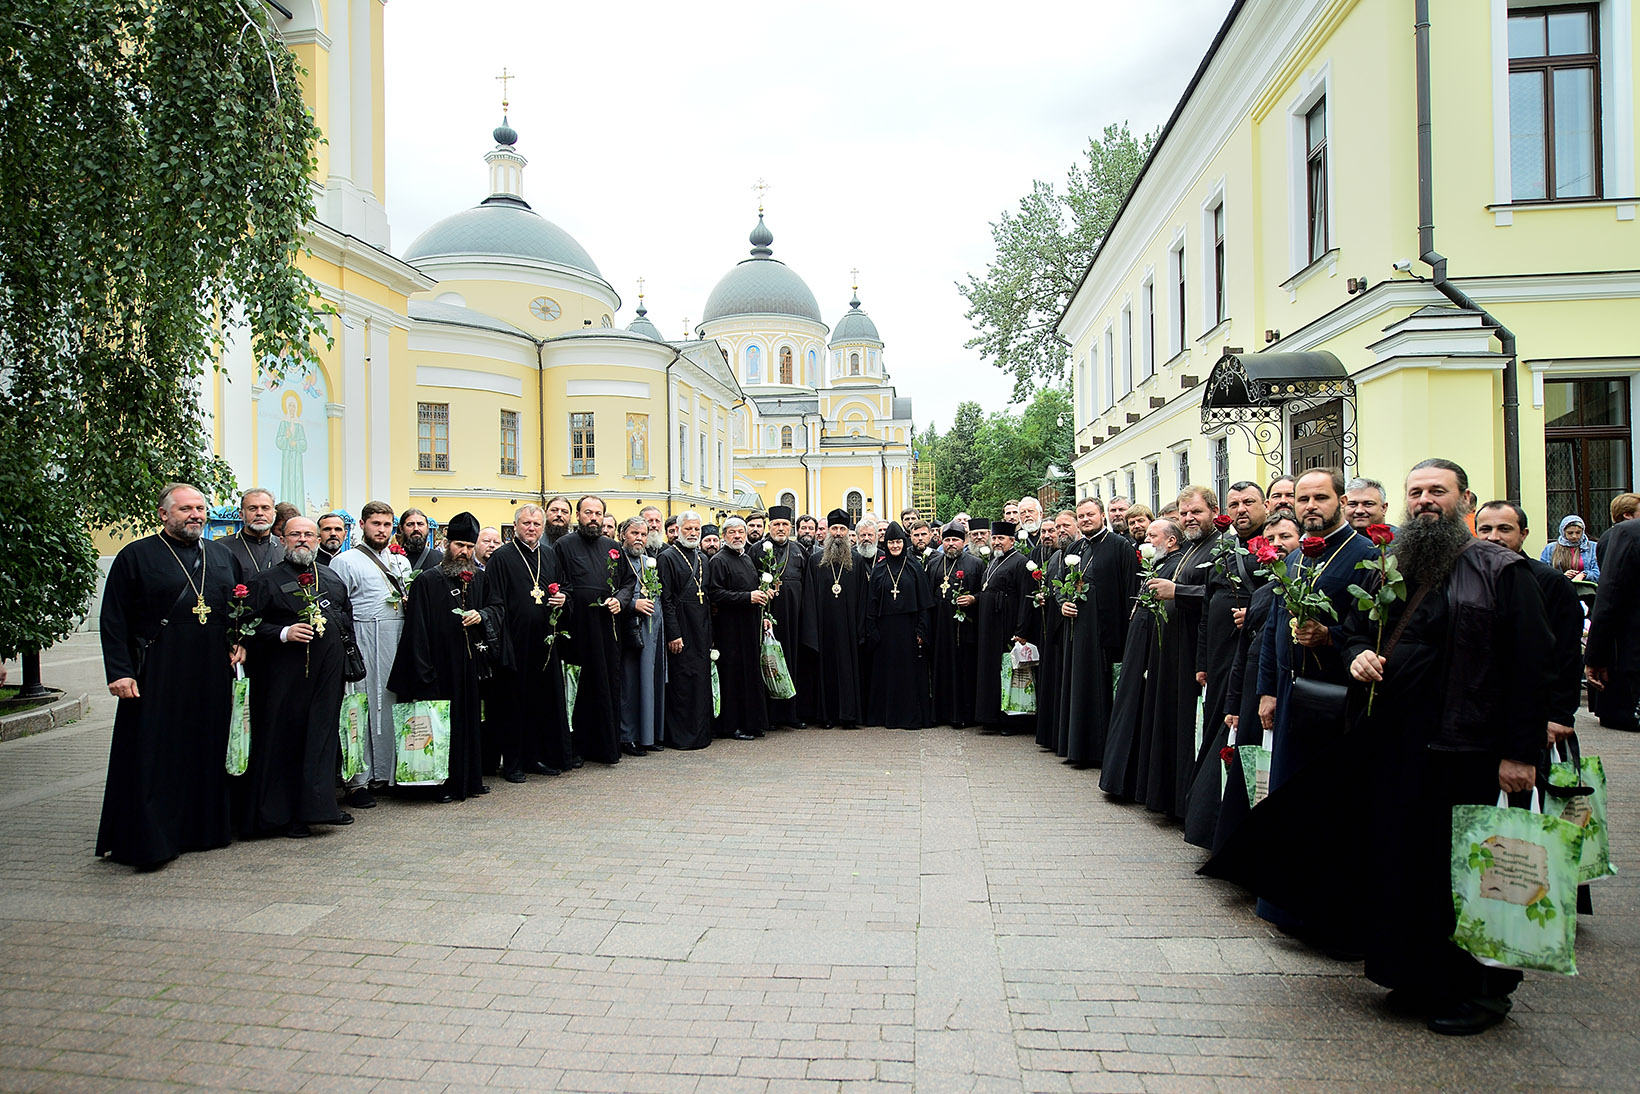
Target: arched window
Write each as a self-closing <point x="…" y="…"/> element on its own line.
<point x="855" y="504"/>
<point x="789" y="500"/>
<point x="754" y="364"/>
<point x="785" y="364"/>
<point x="854" y="364"/>
<point x="786" y="438"/>
<point x="810" y="373"/>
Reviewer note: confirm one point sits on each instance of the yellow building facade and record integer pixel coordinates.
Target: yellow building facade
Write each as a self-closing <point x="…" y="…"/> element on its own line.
<point x="1263" y="303"/>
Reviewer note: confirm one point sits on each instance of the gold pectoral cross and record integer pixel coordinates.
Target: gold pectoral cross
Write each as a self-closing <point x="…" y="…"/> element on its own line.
<point x="537" y="594"/>
<point x="700" y="594"/>
<point x="202" y="610"/>
<point x="945" y="586"/>
<point x="319" y="625"/>
<point x="896" y="593"/>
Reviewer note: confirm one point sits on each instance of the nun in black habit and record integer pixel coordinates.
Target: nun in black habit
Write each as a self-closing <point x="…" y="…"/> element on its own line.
<point x="898" y="604"/>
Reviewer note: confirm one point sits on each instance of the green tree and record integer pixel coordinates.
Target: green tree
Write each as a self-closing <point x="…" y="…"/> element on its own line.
<point x="958" y="456"/>
<point x="155" y="162"/>
<point x="1017" y="449"/>
<point x="1042" y="250"/>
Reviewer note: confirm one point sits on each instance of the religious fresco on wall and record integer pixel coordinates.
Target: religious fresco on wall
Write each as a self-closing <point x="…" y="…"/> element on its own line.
<point x="293" y="440"/>
<point x="637" y="445"/>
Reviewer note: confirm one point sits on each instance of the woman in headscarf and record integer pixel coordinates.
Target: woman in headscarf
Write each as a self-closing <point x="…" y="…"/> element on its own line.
<point x="1573" y="554"/>
<point x="898" y="606"/>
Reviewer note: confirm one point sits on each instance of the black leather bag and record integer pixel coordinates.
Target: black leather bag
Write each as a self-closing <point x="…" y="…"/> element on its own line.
<point x="353" y="666"/>
<point x="1320" y="702"/>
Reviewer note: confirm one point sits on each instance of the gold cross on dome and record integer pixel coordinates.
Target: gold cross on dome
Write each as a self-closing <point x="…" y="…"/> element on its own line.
<point x="760" y="187"/>
<point x="640" y="290"/>
<point x="855" y="274"/>
<point x="504" y="77"/>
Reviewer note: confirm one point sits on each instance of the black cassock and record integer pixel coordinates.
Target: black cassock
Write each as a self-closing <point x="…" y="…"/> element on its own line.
<point x="438" y="658"/>
<point x="1241" y="699"/>
<point x="167" y="791"/>
<point x="253" y="555"/>
<point x="793" y="626"/>
<point x="1218" y="653"/>
<point x="1043" y="625"/>
<point x="1179" y="755"/>
<point x="953" y="648"/>
<point x="1003" y="591"/>
<point x="296" y="704"/>
<point x="1092" y="644"/>
<point x="1145" y="712"/>
<point x="687" y="615"/>
<point x="837" y="597"/>
<point x="1614" y="627"/>
<point x="593" y="642"/>
<point x="737" y="628"/>
<point x="525" y="722"/>
<point x="897" y="618"/>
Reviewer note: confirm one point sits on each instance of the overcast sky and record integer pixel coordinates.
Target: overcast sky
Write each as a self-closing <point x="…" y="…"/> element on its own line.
<point x="892" y="134"/>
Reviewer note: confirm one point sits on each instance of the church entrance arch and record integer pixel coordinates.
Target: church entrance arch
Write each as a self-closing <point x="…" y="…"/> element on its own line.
<point x="855" y="503"/>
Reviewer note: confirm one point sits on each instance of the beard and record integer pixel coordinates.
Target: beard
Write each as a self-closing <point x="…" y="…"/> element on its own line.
<point x="807" y="541"/>
<point x="953" y="550"/>
<point x="1194" y="534"/>
<point x="590" y="531"/>
<point x="1030" y="526"/>
<point x="452" y="567"/>
<point x="259" y="529"/>
<point x="1428" y="549"/>
<point x="737" y="548"/>
<point x="656" y="541"/>
<point x="187" y="533"/>
<point x="301" y="556"/>
<point x="414" y="542"/>
<point x="837" y="553"/>
<point x="555" y="532"/>
<point x="691" y="542"/>
<point x="331" y="545"/>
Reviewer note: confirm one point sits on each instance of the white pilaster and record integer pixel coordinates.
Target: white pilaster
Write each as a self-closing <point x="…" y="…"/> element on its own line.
<point x="355" y="399"/>
<point x="236" y="407"/>
<point x="380" y="417"/>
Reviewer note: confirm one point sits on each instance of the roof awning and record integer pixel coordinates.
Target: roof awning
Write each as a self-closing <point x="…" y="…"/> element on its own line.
<point x="1247" y="386"/>
<point x="748" y="499"/>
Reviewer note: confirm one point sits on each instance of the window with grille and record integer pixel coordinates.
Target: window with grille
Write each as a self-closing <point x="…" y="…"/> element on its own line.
<point x="785" y="364"/>
<point x="1221" y="468"/>
<point x="509" y="442"/>
<point x="785" y="438"/>
<point x="1315" y="178"/>
<point x="1554" y="104"/>
<point x="433" y="436"/>
<point x="1183" y="459"/>
<point x="581" y="451"/>
<point x="683" y="453"/>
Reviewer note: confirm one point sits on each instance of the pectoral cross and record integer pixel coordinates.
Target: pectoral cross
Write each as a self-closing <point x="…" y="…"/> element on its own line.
<point x="896" y="593"/>
<point x="700" y="594"/>
<point x="536" y="594"/>
<point x="319" y="625"/>
<point x="945" y="586"/>
<point x="201" y="610"/>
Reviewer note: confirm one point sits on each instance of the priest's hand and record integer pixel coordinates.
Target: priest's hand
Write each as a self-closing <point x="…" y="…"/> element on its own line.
<point x="1201" y="679"/>
<point x="1267" y="711"/>
<point x="1068" y="610"/>
<point x="298" y="632"/>
<point x="966" y="600"/>
<point x="675" y="646"/>
<point x="613" y="605"/>
<point x="471" y="619"/>
<point x="1515" y="776"/>
<point x="759" y="597"/>
<point x="124" y="688"/>
<point x="1558" y="733"/>
<point x="1233" y="721"/>
<point x="1368" y="667"/>
<point x="1597" y="677"/>
<point x="558" y="599"/>
<point x="644" y="607"/>
<point x="236" y="656"/>
<point x="1239" y="615"/>
<point x="1162" y="587"/>
<point x="1312" y="633"/>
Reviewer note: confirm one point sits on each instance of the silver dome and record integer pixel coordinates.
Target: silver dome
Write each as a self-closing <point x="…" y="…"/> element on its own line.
<point x="504" y="227"/>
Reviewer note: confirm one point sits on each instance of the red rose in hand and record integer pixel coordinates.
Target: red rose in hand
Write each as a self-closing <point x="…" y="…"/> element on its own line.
<point x="1223" y="521"/>
<point x="613" y="553"/>
<point x="958" y="574"/>
<point x="466" y="576"/>
<point x="240" y="592"/>
<point x="1263" y="550"/>
<point x="305" y="578"/>
<point x="1037" y="574"/>
<point x="1228" y="754"/>
<point x="1313" y="546"/>
<point x="1380" y="534"/>
<point x="395" y="549"/>
<point x="552" y="589"/>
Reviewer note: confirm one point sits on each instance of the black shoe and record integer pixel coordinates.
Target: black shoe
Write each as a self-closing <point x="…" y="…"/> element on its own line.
<point x="514" y="776"/>
<point x="360" y="798"/>
<point x="345" y="818"/>
<point x="445" y="799"/>
<point x="630" y="749"/>
<point x="1406" y="1002"/>
<point x="483" y="788"/>
<point x="654" y="748"/>
<point x="741" y="737"/>
<point x="298" y="831"/>
<point x="800" y="725"/>
<point x="1468" y="1017"/>
<point x="541" y="769"/>
<point x="759" y="733"/>
<point x="578" y="764"/>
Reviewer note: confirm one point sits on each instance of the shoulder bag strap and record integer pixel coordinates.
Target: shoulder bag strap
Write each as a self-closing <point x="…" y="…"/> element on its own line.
<point x="398" y="586"/>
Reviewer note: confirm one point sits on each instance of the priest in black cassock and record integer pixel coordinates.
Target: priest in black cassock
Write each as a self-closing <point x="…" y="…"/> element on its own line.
<point x="1004" y="592"/>
<point x="1042" y="624"/>
<point x="738" y="598"/>
<point x="688" y="619"/>
<point x="295" y="664"/>
<point x="526" y="730"/>
<point x="168" y="658"/>
<point x="837" y="599"/>
<point x="443" y="655"/>
<point x="793" y="625"/>
<point x="1146" y="706"/>
<point x="954" y="580"/>
<point x="897" y="631"/>
<point x="1095" y="632"/>
<point x="600" y="588"/>
<point x="254" y="545"/>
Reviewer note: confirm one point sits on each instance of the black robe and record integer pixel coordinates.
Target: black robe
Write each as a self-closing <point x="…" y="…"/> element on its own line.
<point x="1241" y="699"/>
<point x="167" y="791"/>
<point x="687" y="615"/>
<point x="793" y="626"/>
<point x="1145" y="713"/>
<point x="1191" y="593"/>
<point x="593" y="641"/>
<point x="737" y="628"/>
<point x="1004" y="589"/>
<point x="953" y="649"/>
<point x="438" y="659"/>
<point x="427" y="559"/>
<point x="1092" y="645"/>
<point x="525" y="722"/>
<point x="837" y="599"/>
<point x="897" y="617"/>
<point x="296" y="704"/>
<point x="253" y="555"/>
<point x="1042" y="624"/>
<point x="1614" y="626"/>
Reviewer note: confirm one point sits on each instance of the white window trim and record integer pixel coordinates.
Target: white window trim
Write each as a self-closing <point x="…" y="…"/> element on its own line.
<point x="1177" y="304"/>
<point x="1314" y="87"/>
<point x="1209" y="277"/>
<point x="1147" y="324"/>
<point x="1093" y="405"/>
<point x="1110" y="364"/>
<point x="1183" y="449"/>
<point x="1127" y="349"/>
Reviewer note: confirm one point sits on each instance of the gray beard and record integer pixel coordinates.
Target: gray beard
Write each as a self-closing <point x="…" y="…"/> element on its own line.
<point x="332" y="545"/>
<point x="452" y="568"/>
<point x="691" y="542"/>
<point x="301" y="556"/>
<point x="259" y="529"/>
<point x="1193" y="534"/>
<point x="1427" y="550"/>
<point x="867" y="552"/>
<point x="188" y="533"/>
<point x="656" y="541"/>
<point x="837" y="553"/>
<point x="740" y="550"/>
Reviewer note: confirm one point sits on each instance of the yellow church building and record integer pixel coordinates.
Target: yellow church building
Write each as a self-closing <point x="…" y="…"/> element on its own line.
<point x="483" y="365"/>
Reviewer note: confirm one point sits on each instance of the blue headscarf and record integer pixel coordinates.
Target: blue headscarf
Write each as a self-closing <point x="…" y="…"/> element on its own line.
<point x="1567" y="522"/>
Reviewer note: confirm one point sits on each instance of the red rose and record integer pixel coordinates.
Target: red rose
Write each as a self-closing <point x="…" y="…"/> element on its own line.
<point x="1380" y="534"/>
<point x="241" y="592"/>
<point x="466" y="576"/>
<point x="613" y="553"/>
<point x="1223" y="521"/>
<point x="1228" y="754"/>
<point x="957" y="574"/>
<point x="1263" y="550"/>
<point x="1313" y="546"/>
<point x="1038" y="575"/>
<point x="395" y="549"/>
<point x="1138" y="554"/>
<point x="305" y="578"/>
<point x="552" y="589"/>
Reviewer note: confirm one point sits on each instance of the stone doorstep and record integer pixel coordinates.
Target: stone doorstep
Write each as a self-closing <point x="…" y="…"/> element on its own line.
<point x="40" y="719"/>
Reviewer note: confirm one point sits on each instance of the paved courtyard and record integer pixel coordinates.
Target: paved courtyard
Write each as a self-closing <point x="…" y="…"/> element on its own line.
<point x="821" y="910"/>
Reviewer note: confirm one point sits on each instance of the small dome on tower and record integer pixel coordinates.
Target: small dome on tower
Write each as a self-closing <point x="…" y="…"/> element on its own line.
<point x="761" y="285"/>
<point x="642" y="325"/>
<point x="856" y="325"/>
<point x="505" y="134"/>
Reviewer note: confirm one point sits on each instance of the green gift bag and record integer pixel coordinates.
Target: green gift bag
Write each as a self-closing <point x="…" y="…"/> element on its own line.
<point x="1514" y="886"/>
<point x="239" y="725"/>
<point x="1587" y="811"/>
<point x="777" y="681"/>
<point x="422" y="731"/>
<point x="717" y="691"/>
<point x="572" y="687"/>
<point x="352" y="727"/>
<point x="1255" y="768"/>
<point x="1115" y="679"/>
<point x="1018" y="686"/>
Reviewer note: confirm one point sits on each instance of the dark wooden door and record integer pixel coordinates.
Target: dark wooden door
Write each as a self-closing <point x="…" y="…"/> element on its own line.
<point x="1318" y="437"/>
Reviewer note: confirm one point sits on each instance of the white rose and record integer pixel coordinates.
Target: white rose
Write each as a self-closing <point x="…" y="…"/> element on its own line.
<point x="985" y="552"/>
<point x="714" y="655"/>
<point x="648" y="563"/>
<point x="1147" y="551"/>
<point x="1032" y="567"/>
<point x="767" y="579"/>
<point x="768" y="548"/>
<point x="1073" y="560"/>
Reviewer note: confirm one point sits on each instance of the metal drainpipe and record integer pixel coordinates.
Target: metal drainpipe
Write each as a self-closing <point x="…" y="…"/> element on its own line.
<point x="671" y="465"/>
<point x="1437" y="262"/>
<point x="541" y="416"/>
<point x="804" y="460"/>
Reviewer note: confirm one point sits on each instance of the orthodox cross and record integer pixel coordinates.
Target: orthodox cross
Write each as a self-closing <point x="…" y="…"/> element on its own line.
<point x="855" y="274"/>
<point x="201" y="610"/>
<point x="760" y="188"/>
<point x="640" y="290"/>
<point x="504" y="77"/>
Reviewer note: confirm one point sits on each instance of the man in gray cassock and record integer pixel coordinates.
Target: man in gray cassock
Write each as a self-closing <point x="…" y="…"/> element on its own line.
<point x="643" y="653"/>
<point x="375" y="578"/>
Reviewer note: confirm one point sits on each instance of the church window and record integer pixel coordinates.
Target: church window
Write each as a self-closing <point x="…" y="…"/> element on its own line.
<point x="433" y="436"/>
<point x="785" y="438"/>
<point x="854" y="364"/>
<point x="683" y="453"/>
<point x="785" y="364"/>
<point x="789" y="500"/>
<point x="754" y="364"/>
<point x="720" y="466"/>
<point x="855" y="504"/>
<point x="509" y="442"/>
<point x="581" y="450"/>
<point x="704" y="476"/>
<point x="810" y="373"/>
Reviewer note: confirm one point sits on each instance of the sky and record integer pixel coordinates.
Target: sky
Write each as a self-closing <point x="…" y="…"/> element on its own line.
<point x="891" y="136"/>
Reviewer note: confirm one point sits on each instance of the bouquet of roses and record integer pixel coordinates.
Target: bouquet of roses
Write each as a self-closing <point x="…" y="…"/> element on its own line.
<point x="769" y="572"/>
<point x="1147" y="596"/>
<point x="240" y="628"/>
<point x="1226" y="553"/>
<point x="1391" y="587"/>
<point x="1040" y="596"/>
<point x="1298" y="591"/>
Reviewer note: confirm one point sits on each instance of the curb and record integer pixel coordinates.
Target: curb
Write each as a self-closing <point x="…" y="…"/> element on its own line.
<point x="40" y="719"/>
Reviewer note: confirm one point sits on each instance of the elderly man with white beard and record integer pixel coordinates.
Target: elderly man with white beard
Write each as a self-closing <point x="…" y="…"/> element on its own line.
<point x="688" y="619"/>
<point x="793" y="625"/>
<point x="734" y="587"/>
<point x="837" y="606"/>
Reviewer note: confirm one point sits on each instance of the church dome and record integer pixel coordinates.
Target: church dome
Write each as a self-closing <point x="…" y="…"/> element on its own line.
<point x="761" y="285"/>
<point x="504" y="227"/>
<point x="642" y="325"/>
<point x="855" y="326"/>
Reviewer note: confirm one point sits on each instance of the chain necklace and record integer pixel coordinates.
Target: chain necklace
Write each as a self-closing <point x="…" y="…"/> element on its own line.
<point x="536" y="592"/>
<point x="249" y="551"/>
<point x="947" y="566"/>
<point x="200" y="609"/>
<point x="894" y="579"/>
<point x="695" y="560"/>
<point x="836" y="579"/>
<point x="996" y="564"/>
